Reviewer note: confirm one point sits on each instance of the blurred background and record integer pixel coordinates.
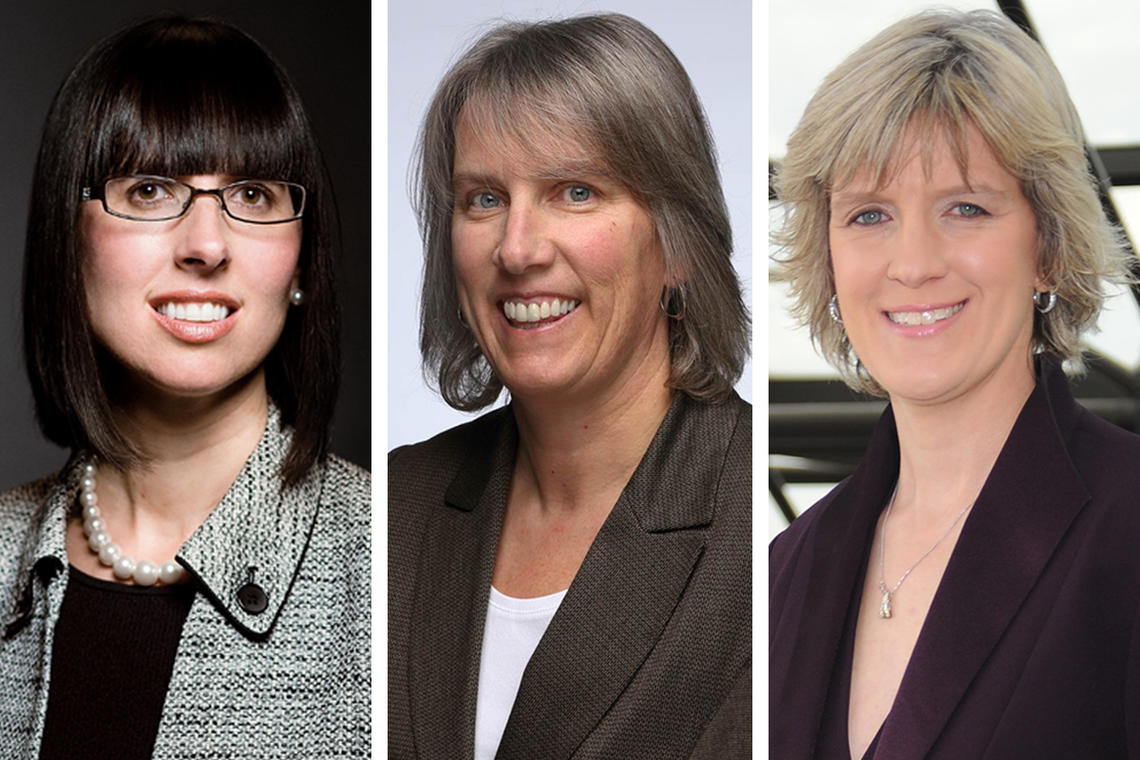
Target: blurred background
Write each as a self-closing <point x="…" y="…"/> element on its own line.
<point x="818" y="428"/>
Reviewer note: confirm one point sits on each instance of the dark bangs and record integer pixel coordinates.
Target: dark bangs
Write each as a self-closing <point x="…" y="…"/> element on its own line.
<point x="195" y="98"/>
<point x="173" y="97"/>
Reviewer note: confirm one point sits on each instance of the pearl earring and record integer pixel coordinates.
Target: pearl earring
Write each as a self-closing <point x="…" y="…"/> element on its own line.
<point x="297" y="297"/>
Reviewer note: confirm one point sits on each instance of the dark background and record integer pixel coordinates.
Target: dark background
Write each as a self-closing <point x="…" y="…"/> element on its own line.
<point x="325" y="49"/>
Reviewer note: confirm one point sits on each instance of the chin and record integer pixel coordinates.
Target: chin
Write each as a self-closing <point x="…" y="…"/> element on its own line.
<point x="928" y="386"/>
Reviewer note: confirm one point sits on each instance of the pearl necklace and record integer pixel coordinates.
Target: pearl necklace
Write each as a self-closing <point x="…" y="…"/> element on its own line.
<point x="143" y="572"/>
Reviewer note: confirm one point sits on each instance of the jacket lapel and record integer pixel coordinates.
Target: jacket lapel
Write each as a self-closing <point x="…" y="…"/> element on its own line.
<point x="626" y="589"/>
<point x="800" y="683"/>
<point x="452" y="589"/>
<point x="1028" y="502"/>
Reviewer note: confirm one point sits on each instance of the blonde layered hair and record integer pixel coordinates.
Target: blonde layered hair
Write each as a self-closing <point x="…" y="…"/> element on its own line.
<point x="929" y="76"/>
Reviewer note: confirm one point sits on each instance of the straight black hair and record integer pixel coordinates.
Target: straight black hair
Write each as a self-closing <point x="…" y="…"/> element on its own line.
<point x="172" y="96"/>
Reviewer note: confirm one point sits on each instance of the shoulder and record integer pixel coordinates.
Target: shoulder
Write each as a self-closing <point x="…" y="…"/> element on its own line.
<point x="1107" y="460"/>
<point x="447" y="449"/>
<point x="439" y="457"/>
<point x="23" y="510"/>
<point x="347" y="484"/>
<point x="19" y="504"/>
<point x="785" y="549"/>
<point x="345" y="510"/>
<point x="1102" y="450"/>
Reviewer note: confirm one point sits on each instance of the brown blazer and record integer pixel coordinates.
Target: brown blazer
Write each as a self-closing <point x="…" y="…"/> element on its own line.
<point x="649" y="655"/>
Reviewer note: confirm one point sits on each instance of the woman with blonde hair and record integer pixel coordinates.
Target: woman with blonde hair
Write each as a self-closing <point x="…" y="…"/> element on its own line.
<point x="972" y="589"/>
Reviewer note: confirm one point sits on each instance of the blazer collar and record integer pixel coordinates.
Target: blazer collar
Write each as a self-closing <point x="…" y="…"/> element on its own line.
<point x="639" y="563"/>
<point x="1026" y="505"/>
<point x="256" y="525"/>
<point x="256" y="535"/>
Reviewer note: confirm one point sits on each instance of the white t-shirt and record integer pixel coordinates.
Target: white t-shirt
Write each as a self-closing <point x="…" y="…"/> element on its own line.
<point x="510" y="636"/>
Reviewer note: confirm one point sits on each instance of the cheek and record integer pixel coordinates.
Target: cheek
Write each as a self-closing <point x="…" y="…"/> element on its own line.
<point x="622" y="250"/>
<point x="466" y="243"/>
<point x="276" y="266"/>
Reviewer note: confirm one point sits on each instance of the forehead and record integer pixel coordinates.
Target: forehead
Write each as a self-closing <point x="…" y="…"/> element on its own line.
<point x="521" y="143"/>
<point x="943" y="153"/>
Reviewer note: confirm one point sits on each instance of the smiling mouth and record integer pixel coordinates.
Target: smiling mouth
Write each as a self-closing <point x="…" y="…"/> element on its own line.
<point x="534" y="314"/>
<point x="925" y="317"/>
<point x="202" y="311"/>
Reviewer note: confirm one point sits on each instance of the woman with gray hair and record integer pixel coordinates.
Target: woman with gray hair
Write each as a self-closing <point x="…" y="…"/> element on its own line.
<point x="569" y="575"/>
<point x="972" y="590"/>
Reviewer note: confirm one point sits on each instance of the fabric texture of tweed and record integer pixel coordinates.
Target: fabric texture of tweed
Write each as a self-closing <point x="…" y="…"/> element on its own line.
<point x="649" y="655"/>
<point x="291" y="681"/>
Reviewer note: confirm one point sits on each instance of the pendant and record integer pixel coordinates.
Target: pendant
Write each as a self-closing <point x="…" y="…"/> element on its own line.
<point x="885" y="606"/>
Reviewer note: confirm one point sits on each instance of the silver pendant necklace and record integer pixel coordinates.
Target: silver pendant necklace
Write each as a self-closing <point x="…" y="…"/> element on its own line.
<point x="888" y="593"/>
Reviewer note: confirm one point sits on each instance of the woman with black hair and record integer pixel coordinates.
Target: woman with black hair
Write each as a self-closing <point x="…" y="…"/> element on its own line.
<point x="194" y="582"/>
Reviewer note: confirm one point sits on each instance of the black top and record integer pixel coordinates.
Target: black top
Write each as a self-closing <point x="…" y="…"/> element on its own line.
<point x="111" y="662"/>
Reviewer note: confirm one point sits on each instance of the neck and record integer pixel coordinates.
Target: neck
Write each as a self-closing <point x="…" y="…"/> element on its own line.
<point x="193" y="450"/>
<point x="575" y="457"/>
<point x="946" y="451"/>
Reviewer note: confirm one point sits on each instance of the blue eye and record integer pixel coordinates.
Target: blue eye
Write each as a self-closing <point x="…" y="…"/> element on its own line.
<point x="869" y="217"/>
<point x="970" y="209"/>
<point x="486" y="200"/>
<point x="579" y="193"/>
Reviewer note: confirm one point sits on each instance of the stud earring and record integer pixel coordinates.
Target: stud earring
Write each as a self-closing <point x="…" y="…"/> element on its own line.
<point x="833" y="309"/>
<point x="1044" y="300"/>
<point x="296" y="297"/>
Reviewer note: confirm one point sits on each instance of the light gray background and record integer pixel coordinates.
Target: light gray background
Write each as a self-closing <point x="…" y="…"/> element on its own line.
<point x="327" y="57"/>
<point x="711" y="39"/>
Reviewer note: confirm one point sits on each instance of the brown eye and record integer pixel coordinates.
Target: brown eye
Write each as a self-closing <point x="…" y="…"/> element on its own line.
<point x="251" y="196"/>
<point x="148" y="191"/>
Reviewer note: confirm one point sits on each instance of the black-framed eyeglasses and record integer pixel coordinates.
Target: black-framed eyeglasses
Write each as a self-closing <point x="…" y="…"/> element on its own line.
<point x="146" y="198"/>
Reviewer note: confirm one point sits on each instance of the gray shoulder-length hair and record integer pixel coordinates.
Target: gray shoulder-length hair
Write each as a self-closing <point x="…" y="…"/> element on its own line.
<point x="608" y="85"/>
<point x="939" y="72"/>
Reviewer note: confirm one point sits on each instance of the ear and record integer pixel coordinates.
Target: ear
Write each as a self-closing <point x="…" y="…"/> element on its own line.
<point x="296" y="281"/>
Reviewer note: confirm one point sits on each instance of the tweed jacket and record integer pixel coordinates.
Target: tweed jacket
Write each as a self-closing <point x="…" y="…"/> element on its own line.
<point x="648" y="655"/>
<point x="1031" y="646"/>
<point x="291" y="681"/>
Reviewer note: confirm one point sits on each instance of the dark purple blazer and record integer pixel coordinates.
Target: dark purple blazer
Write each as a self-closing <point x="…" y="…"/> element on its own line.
<point x="1031" y="647"/>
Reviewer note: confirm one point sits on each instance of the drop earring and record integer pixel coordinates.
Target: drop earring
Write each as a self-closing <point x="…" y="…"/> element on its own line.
<point x="833" y="309"/>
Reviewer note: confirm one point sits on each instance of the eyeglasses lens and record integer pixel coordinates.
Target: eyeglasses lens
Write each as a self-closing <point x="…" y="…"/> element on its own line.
<point x="156" y="198"/>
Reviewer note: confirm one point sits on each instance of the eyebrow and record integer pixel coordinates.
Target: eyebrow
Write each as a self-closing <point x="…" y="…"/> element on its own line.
<point x="867" y="196"/>
<point x="565" y="171"/>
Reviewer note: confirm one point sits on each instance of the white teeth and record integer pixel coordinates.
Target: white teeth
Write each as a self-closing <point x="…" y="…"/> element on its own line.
<point x="195" y="312"/>
<point x="927" y="317"/>
<point x="517" y="311"/>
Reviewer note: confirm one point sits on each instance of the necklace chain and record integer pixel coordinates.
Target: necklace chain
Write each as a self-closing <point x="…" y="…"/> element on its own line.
<point x="143" y="572"/>
<point x="888" y="593"/>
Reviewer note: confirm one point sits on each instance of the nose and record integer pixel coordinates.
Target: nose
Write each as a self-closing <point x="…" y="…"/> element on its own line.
<point x="916" y="254"/>
<point x="203" y="242"/>
<point x="524" y="243"/>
